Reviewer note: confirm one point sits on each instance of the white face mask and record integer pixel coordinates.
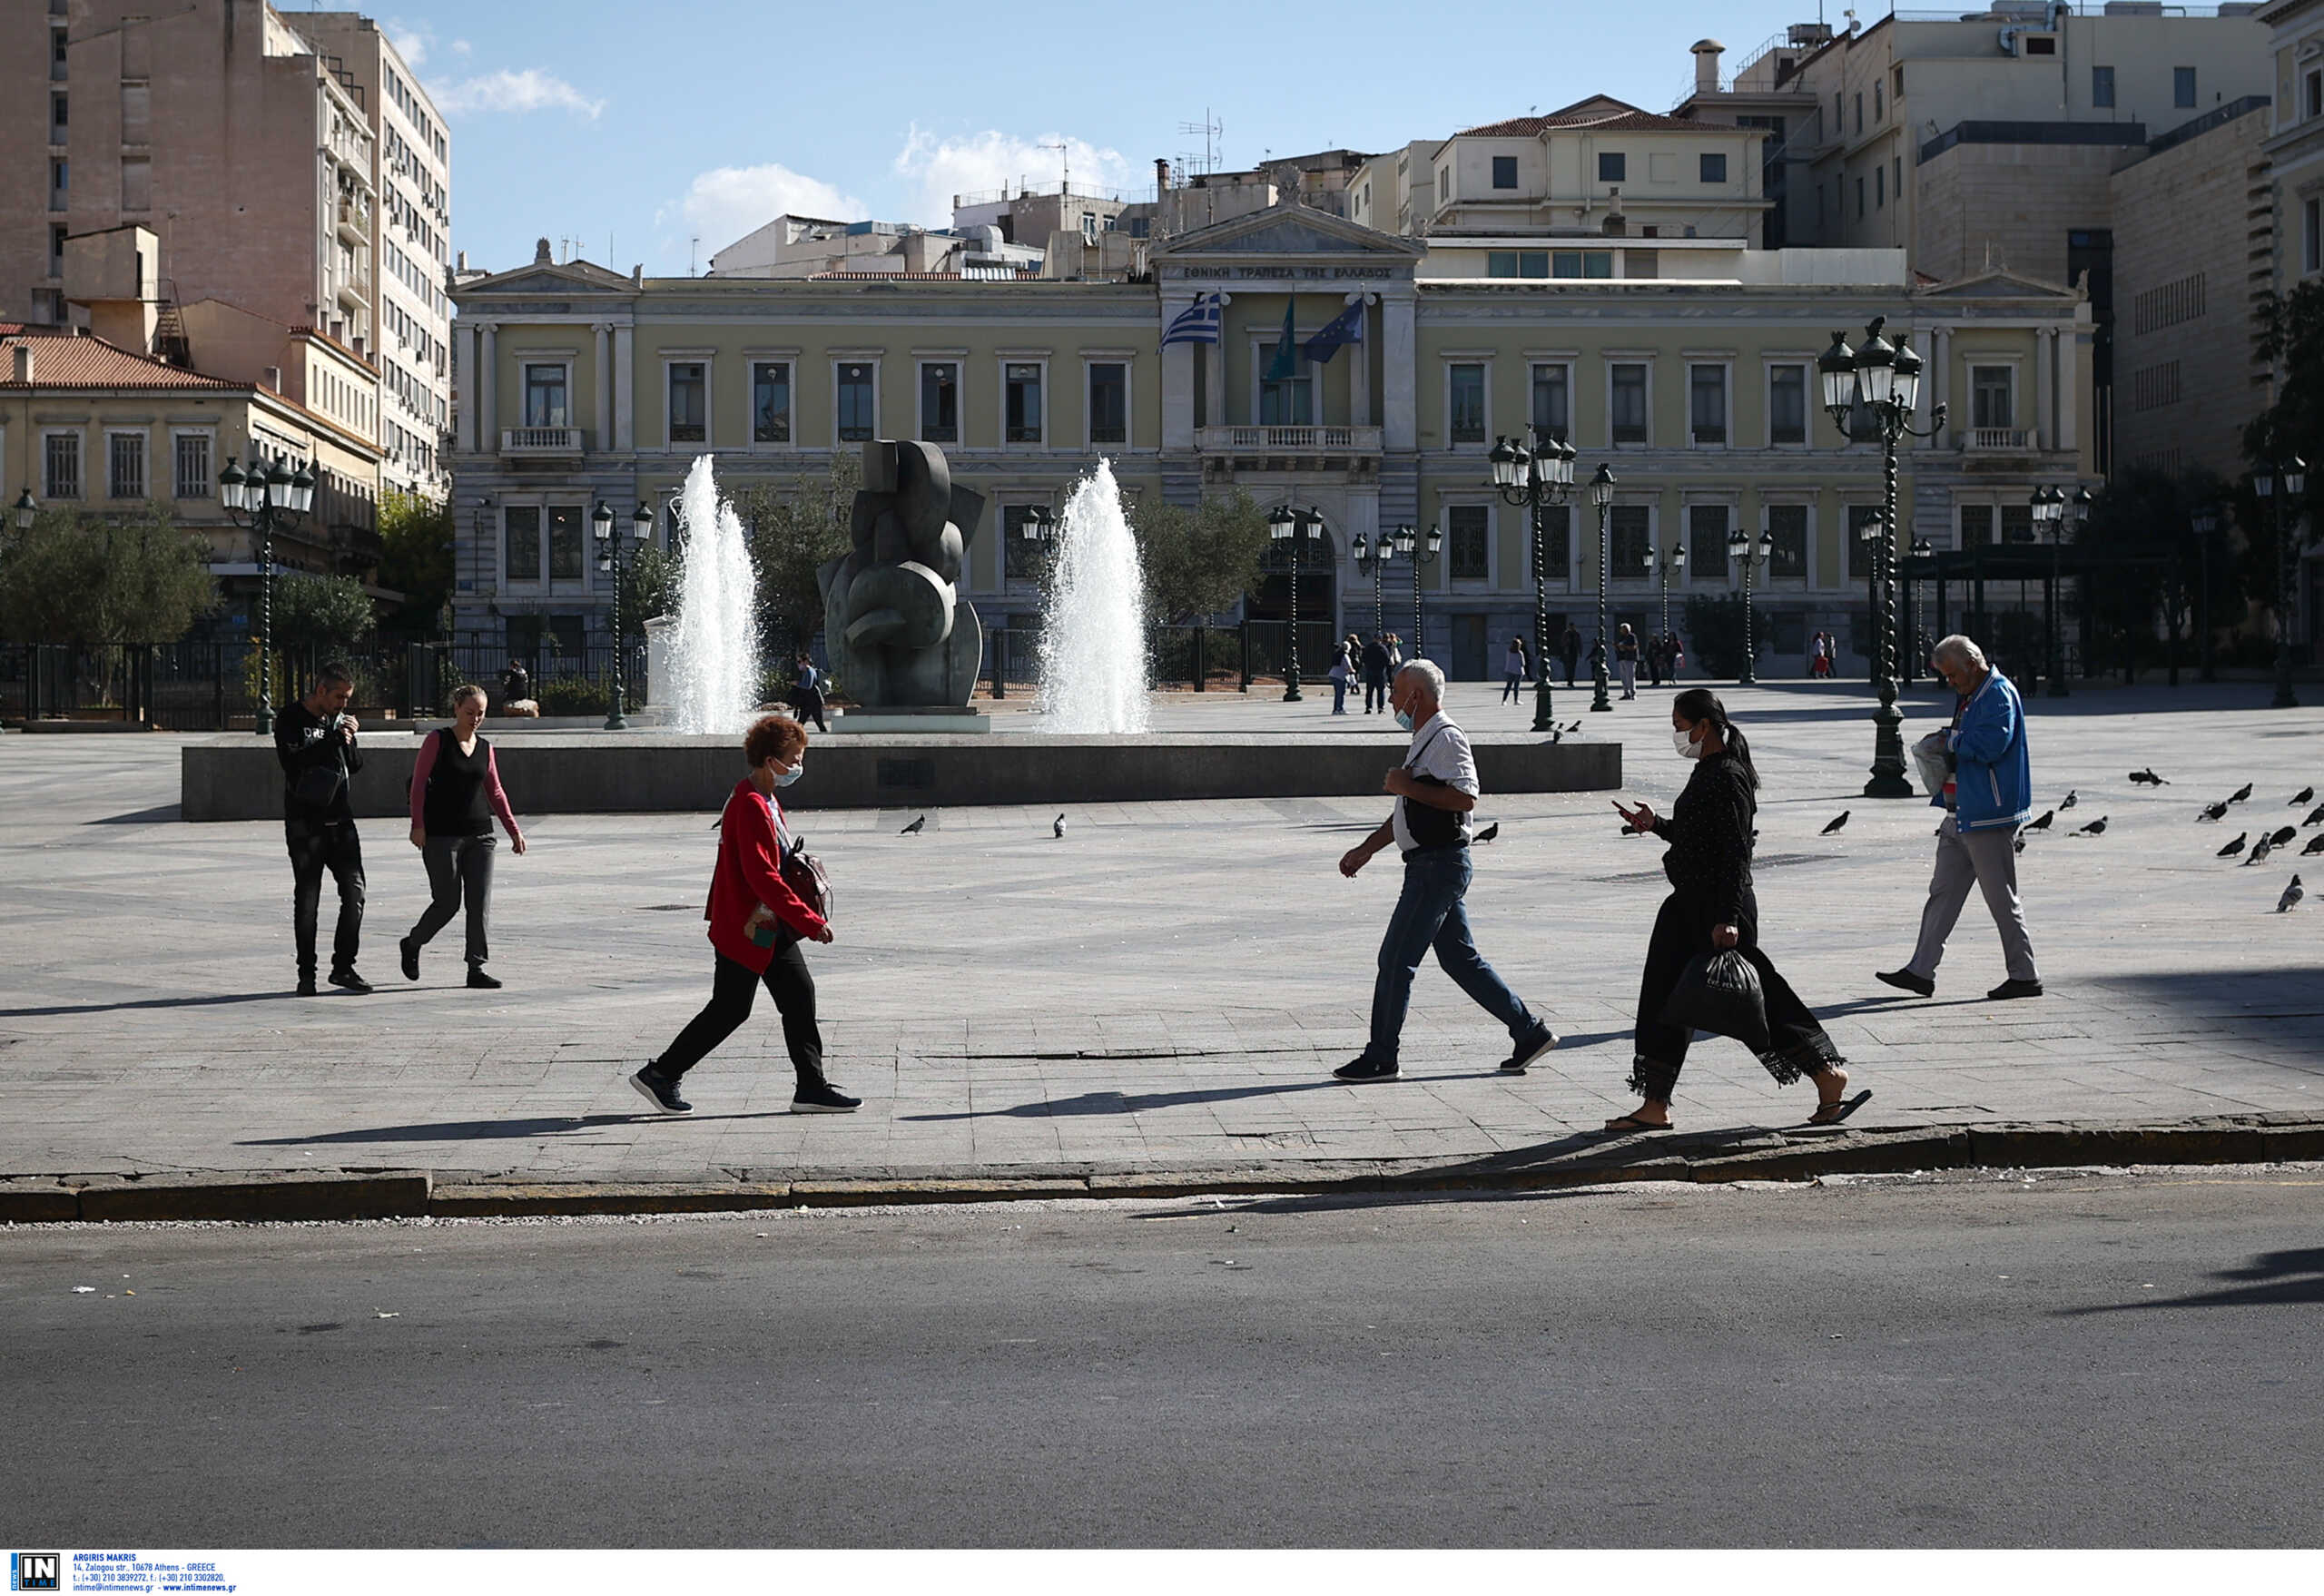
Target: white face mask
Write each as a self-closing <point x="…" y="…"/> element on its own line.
<point x="1684" y="742"/>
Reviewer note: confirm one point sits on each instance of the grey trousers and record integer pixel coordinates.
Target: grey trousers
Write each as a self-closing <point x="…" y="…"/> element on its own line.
<point x="457" y="868"/>
<point x="1985" y="860"/>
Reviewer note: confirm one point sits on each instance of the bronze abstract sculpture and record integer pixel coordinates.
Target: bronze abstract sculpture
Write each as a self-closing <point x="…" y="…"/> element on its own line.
<point x="896" y="629"/>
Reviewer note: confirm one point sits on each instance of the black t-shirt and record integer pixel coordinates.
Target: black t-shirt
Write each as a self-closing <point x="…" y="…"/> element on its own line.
<point x="303" y="740"/>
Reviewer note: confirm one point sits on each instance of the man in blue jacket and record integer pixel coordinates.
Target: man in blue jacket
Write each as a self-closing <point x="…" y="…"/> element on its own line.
<point x="1989" y="794"/>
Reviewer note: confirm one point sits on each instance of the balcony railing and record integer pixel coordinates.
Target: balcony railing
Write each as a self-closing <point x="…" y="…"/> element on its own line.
<point x="1309" y="440"/>
<point x="355" y="218"/>
<point x="1985" y="439"/>
<point x="543" y="440"/>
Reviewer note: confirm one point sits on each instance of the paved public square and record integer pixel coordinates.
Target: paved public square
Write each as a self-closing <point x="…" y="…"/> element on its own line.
<point x="1167" y="985"/>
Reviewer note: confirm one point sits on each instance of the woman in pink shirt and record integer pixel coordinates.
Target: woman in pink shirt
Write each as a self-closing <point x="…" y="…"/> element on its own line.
<point x="455" y="793"/>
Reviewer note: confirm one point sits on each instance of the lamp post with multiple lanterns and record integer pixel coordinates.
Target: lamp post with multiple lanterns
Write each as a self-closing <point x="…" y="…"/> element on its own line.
<point x="1371" y="555"/>
<point x="1601" y="498"/>
<point x="1739" y="546"/>
<point x="611" y="558"/>
<point x="1672" y="563"/>
<point x="2278" y="485"/>
<point x="1421" y="548"/>
<point x="1286" y="522"/>
<point x="259" y="500"/>
<point x="1538" y="479"/>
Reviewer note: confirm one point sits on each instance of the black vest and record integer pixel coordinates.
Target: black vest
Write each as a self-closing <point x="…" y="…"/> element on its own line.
<point x="455" y="805"/>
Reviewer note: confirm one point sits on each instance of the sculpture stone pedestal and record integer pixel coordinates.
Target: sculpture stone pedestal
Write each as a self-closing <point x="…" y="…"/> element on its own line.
<point x="909" y="719"/>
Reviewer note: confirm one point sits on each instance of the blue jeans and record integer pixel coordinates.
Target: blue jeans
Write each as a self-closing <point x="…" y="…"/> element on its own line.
<point x="1339" y="694"/>
<point x="1430" y="914"/>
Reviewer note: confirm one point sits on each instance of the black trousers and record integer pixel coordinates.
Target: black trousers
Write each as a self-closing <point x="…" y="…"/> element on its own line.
<point x="458" y="867"/>
<point x="809" y="706"/>
<point x="317" y="847"/>
<point x="732" y="989"/>
<point x="1571" y="660"/>
<point x="1794" y="1044"/>
<point x="1376" y="694"/>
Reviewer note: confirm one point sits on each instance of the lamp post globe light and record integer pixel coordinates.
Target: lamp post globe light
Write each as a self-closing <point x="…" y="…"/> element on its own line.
<point x="614" y="559"/>
<point x="26" y="507"/>
<point x="1285" y="522"/>
<point x="2279" y="485"/>
<point x="2048" y="506"/>
<point x="1739" y="546"/>
<point x="1601" y="498"/>
<point x="259" y="500"/>
<point x="1536" y="479"/>
<point x="1881" y="382"/>
<point x="1672" y="563"/>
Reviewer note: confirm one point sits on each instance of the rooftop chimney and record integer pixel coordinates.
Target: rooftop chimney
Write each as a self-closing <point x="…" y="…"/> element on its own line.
<point x="23" y="370"/>
<point x="1161" y="176"/>
<point x="1706" y="53"/>
<point x="463" y="265"/>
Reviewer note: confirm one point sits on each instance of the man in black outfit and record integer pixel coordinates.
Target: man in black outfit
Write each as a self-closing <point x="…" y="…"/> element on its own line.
<point x="1374" y="663"/>
<point x="1571" y="651"/>
<point x="315" y="740"/>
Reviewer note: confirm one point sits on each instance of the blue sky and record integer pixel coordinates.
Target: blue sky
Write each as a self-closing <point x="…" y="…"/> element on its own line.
<point x="639" y="130"/>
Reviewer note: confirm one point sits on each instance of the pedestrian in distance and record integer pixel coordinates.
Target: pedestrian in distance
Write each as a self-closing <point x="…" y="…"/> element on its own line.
<point x="1395" y="655"/>
<point x="1988" y="797"/>
<point x="456" y="795"/>
<point x="1512" y="671"/>
<point x="515" y="683"/>
<point x="314" y="741"/>
<point x="1625" y="659"/>
<point x="1435" y="789"/>
<point x="807" y="692"/>
<point x="1652" y="650"/>
<point x="1375" y="674"/>
<point x="757" y="926"/>
<point x="1712" y="907"/>
<point x="1343" y="670"/>
<point x="1571" y="651"/>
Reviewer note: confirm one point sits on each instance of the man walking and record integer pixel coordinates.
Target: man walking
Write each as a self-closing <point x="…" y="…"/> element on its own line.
<point x="1988" y="793"/>
<point x="1571" y="651"/>
<point x="314" y="739"/>
<point x="1376" y="674"/>
<point x="1435" y="788"/>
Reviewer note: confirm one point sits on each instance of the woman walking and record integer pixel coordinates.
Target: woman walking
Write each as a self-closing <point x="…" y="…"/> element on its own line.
<point x="1343" y="672"/>
<point x="807" y="694"/>
<point x="456" y="794"/>
<point x="1711" y="906"/>
<point x="1512" y="670"/>
<point x="1625" y="659"/>
<point x="756" y="926"/>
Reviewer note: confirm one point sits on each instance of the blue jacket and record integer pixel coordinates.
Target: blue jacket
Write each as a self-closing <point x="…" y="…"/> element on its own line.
<point x="1993" y="786"/>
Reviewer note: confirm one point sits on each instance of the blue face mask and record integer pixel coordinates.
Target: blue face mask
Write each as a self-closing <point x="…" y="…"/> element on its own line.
<point x="1404" y="719"/>
<point x="783" y="778"/>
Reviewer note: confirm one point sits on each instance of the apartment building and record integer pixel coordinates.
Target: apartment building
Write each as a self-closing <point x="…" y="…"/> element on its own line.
<point x="1692" y="379"/>
<point x="2294" y="187"/>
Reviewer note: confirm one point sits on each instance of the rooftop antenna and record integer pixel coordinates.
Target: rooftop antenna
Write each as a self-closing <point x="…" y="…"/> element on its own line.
<point x="1065" y="162"/>
<point x="1212" y="130"/>
<point x="691" y="245"/>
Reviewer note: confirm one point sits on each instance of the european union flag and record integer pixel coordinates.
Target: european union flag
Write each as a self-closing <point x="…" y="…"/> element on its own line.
<point x="1347" y="327"/>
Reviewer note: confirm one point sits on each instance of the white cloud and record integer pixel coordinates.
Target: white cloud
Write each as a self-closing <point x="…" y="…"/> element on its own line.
<point x="529" y="90"/>
<point x="722" y="205"/>
<point x="460" y="46"/>
<point x="936" y="169"/>
<point x="412" y="41"/>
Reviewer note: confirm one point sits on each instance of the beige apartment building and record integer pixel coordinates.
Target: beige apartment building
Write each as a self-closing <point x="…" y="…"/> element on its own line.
<point x="1689" y="371"/>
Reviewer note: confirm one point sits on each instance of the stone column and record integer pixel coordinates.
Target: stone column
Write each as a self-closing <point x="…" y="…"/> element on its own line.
<point x="2069" y="348"/>
<point x="1399" y="348"/>
<point x="464" y="397"/>
<point x="2045" y="388"/>
<point x="1177" y="383"/>
<point x="487" y="376"/>
<point x="1214" y="380"/>
<point x="1940" y="371"/>
<point x="624" y="386"/>
<point x="605" y="385"/>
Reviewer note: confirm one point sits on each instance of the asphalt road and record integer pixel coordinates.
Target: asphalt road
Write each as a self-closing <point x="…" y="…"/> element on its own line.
<point x="2060" y="1361"/>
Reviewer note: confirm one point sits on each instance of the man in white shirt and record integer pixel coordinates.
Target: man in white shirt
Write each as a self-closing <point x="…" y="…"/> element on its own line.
<point x="1435" y="788"/>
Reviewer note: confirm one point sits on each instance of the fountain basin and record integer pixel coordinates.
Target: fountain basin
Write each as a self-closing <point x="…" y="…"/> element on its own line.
<point x="236" y="777"/>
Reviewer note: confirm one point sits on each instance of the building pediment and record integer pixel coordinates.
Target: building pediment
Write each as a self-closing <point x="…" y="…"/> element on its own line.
<point x="1286" y="232"/>
<point x="539" y="278"/>
<point x="1997" y="284"/>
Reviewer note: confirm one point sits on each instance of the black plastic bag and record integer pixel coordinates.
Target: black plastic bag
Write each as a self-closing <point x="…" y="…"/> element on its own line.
<point x="1719" y="992"/>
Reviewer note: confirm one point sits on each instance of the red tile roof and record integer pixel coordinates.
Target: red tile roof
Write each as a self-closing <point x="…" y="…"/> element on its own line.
<point x="1600" y="116"/>
<point x="61" y="360"/>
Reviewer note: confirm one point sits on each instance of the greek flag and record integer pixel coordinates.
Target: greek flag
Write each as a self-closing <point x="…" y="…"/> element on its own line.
<point x="1198" y="323"/>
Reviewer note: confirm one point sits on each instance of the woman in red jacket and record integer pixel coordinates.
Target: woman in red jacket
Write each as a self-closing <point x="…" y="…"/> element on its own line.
<point x="756" y="926"/>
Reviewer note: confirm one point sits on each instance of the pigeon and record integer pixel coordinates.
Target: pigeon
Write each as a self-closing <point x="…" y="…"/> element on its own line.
<point x="2234" y="848"/>
<point x="2041" y="824"/>
<point x="2283" y="834"/>
<point x="2315" y="845"/>
<point x="1057" y="826"/>
<point x="2301" y="797"/>
<point x="2095" y="828"/>
<point x="914" y="827"/>
<point x="2214" y="811"/>
<point x="1557" y="736"/>
<point x="2240" y="794"/>
<point x="2292" y="894"/>
<point x="1488" y="835"/>
<point x="2147" y="778"/>
<point x="2260" y="850"/>
<point x="1834" y="825"/>
<point x="1571" y="730"/>
<point x="2314" y="815"/>
<point x="2073" y="798"/>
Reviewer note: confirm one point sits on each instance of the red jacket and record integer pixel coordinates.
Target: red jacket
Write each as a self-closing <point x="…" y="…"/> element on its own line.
<point x="747" y="875"/>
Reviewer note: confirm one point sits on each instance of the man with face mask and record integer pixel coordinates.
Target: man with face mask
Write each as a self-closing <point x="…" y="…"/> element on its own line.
<point x="1435" y="789"/>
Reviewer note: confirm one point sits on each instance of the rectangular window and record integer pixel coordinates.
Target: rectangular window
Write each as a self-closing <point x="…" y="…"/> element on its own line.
<point x="1289" y="401"/>
<point x="1467" y="418"/>
<point x="61" y="460"/>
<point x="1109" y="403"/>
<point x="1706" y="403"/>
<point x="544" y="399"/>
<point x="1628" y="404"/>
<point x="1533" y="262"/>
<point x="2040" y="45"/>
<point x="1557" y="543"/>
<point x="1023" y="402"/>
<point x="56" y="252"/>
<point x="1859" y="199"/>
<point x="1630" y="528"/>
<point x="1465" y="531"/>
<point x="1019" y="555"/>
<point x="689" y="402"/>
<point x="1552" y="411"/>
<point x="940" y="402"/>
<point x="136" y="113"/>
<point x="1879" y="107"/>
<point x="125" y="465"/>
<point x="1707" y="542"/>
<point x="56" y="119"/>
<point x="521" y="539"/>
<point x="564" y="543"/>
<point x="1787" y="561"/>
<point x="1879" y="187"/>
<point x="1504" y="172"/>
<point x="2311" y="234"/>
<point x="2312" y="96"/>
<point x="194" y="465"/>
<point x="1500" y="262"/>
<point x="771" y="401"/>
<point x="2183" y="87"/>
<point x="856" y="418"/>
<point x="1788" y="404"/>
<point x="2101" y="87"/>
<point x="1613" y="166"/>
<point x="1714" y="168"/>
<point x="59" y="185"/>
<point x="1990" y="390"/>
<point x="2017" y="523"/>
<point x="1977" y="526"/>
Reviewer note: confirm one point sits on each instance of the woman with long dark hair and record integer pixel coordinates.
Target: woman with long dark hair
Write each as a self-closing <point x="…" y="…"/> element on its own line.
<point x="1711" y="907"/>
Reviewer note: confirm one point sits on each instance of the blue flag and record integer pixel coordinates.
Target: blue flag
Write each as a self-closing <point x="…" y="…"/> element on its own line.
<point x="1198" y="323"/>
<point x="1346" y="327"/>
<point x="1286" y="348"/>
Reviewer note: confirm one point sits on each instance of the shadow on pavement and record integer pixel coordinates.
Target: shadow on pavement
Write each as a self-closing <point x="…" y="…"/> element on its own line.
<point x="2283" y="1009"/>
<point x="210" y="1001"/>
<point x="164" y="815"/>
<point x="493" y="1129"/>
<point x="2295" y="1276"/>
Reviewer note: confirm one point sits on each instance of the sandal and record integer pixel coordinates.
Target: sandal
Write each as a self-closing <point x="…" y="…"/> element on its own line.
<point x="1839" y="1108"/>
<point x="1630" y="1125"/>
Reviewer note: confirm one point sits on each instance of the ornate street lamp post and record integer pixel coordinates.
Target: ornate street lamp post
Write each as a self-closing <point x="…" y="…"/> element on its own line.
<point x="1296" y="524"/>
<point x="1537" y="480"/>
<point x="1740" y="548"/>
<point x="2292" y="477"/>
<point x="2048" y="506"/>
<point x="266" y="497"/>
<point x="1673" y="562"/>
<point x="1601" y="498"/>
<point x="613" y="558"/>
<point x="1882" y="382"/>
<point x="1421" y="549"/>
